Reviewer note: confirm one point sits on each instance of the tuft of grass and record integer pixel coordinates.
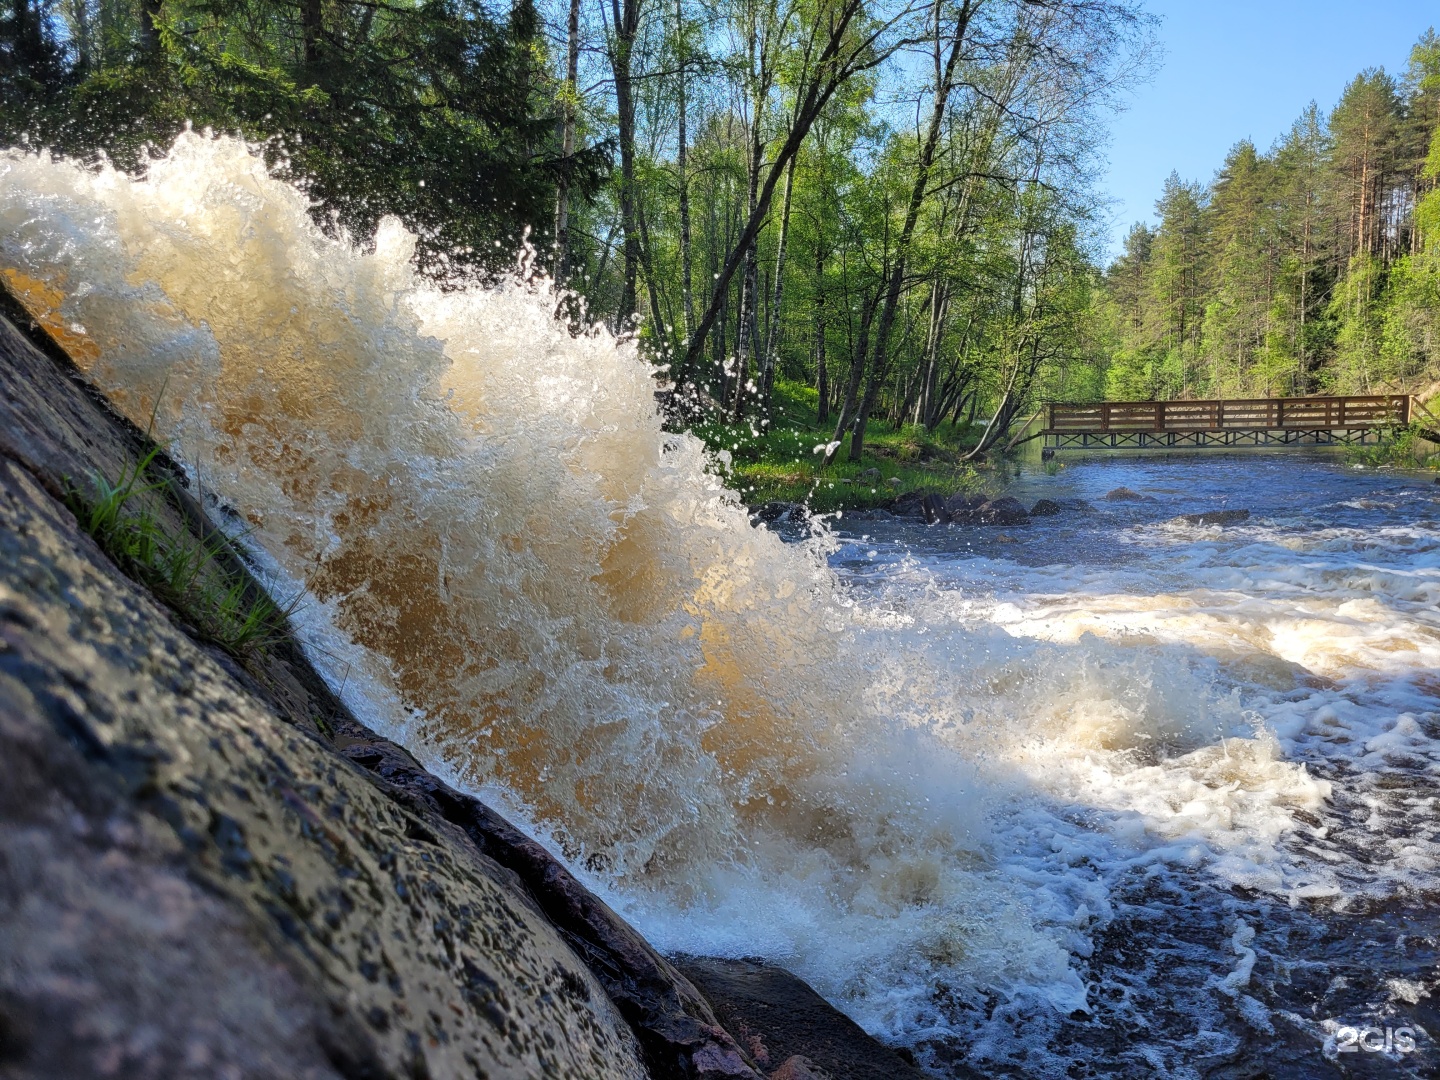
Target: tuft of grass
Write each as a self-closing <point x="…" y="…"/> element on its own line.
<point x="188" y="574"/>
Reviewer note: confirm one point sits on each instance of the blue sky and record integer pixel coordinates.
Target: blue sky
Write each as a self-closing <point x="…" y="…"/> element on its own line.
<point x="1235" y="70"/>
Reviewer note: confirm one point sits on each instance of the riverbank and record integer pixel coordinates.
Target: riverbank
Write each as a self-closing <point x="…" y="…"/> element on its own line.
<point x="780" y="461"/>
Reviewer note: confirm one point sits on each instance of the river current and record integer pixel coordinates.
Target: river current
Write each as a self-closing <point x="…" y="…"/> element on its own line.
<point x="1107" y="794"/>
<point x="1233" y="941"/>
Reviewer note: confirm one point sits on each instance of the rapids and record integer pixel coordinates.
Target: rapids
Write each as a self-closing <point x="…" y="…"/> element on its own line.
<point x="1104" y="795"/>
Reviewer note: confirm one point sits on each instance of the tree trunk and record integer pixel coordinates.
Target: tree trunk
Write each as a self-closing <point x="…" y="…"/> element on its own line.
<point x="681" y="165"/>
<point x="944" y="84"/>
<point x="627" y="25"/>
<point x="822" y="380"/>
<point x="150" y="35"/>
<point x="657" y="314"/>
<point x="862" y="417"/>
<point x="939" y="301"/>
<point x="813" y="95"/>
<point x="748" y="339"/>
<point x="772" y="333"/>
<point x="567" y="145"/>
<point x="312" y="28"/>
<point x="858" y="356"/>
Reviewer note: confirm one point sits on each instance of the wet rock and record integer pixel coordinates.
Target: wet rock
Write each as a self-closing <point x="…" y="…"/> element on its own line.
<point x="210" y="869"/>
<point x="781" y="1019"/>
<point x="780" y="513"/>
<point x="933" y="509"/>
<point x="1002" y="511"/>
<point x="1124" y="494"/>
<point x="1046" y="508"/>
<point x="909" y="504"/>
<point x="957" y="505"/>
<point x="1215" y="517"/>
<point x="799" y="1068"/>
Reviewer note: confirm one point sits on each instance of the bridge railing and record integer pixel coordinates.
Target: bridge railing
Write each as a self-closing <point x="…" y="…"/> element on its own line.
<point x="1241" y="414"/>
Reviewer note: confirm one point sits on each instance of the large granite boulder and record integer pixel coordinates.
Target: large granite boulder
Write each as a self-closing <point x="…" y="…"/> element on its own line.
<point x="788" y="1027"/>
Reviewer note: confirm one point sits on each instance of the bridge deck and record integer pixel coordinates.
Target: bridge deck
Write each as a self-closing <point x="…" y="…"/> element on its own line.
<point x="1144" y="425"/>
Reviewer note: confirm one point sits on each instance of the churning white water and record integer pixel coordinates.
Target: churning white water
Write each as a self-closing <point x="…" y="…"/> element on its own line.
<point x="1107" y="793"/>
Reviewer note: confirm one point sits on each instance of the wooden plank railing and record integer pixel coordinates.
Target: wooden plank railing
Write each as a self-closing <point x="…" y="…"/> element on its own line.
<point x="1243" y="414"/>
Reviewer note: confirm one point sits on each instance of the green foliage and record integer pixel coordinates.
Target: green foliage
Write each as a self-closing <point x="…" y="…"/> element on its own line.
<point x="1399" y="447"/>
<point x="189" y="575"/>
<point x="778" y="461"/>
<point x="435" y="111"/>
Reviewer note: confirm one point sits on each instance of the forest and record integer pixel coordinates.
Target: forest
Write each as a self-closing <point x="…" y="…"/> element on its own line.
<point x="1313" y="266"/>
<point x="883" y="216"/>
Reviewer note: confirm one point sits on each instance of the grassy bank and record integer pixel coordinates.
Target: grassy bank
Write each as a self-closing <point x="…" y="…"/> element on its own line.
<point x="778" y="461"/>
<point x="1410" y="447"/>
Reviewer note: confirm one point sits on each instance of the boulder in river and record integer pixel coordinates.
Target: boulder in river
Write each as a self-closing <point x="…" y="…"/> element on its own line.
<point x="1124" y="494"/>
<point x="778" y="512"/>
<point x="1046" y="508"/>
<point x="1002" y="511"/>
<point x="909" y="504"/>
<point x="956" y="505"/>
<point x="779" y="1019"/>
<point x="1215" y="517"/>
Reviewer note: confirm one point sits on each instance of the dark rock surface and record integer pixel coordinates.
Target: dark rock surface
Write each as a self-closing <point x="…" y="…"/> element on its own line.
<point x="908" y="504"/>
<point x="208" y="868"/>
<point x="788" y="1026"/>
<point x="970" y="510"/>
<point x="777" y="512"/>
<point x="1046" y="508"/>
<point x="1124" y="494"/>
<point x="932" y="508"/>
<point x="961" y="509"/>
<point x="1001" y="511"/>
<point x="962" y="504"/>
<point x="1215" y="517"/>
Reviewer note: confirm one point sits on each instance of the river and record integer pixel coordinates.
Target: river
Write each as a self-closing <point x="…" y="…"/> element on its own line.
<point x="1233" y="941"/>
<point x="1101" y="795"/>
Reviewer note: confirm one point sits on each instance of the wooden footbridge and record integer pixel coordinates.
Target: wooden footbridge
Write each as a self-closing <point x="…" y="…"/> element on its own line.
<point x="1245" y="422"/>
